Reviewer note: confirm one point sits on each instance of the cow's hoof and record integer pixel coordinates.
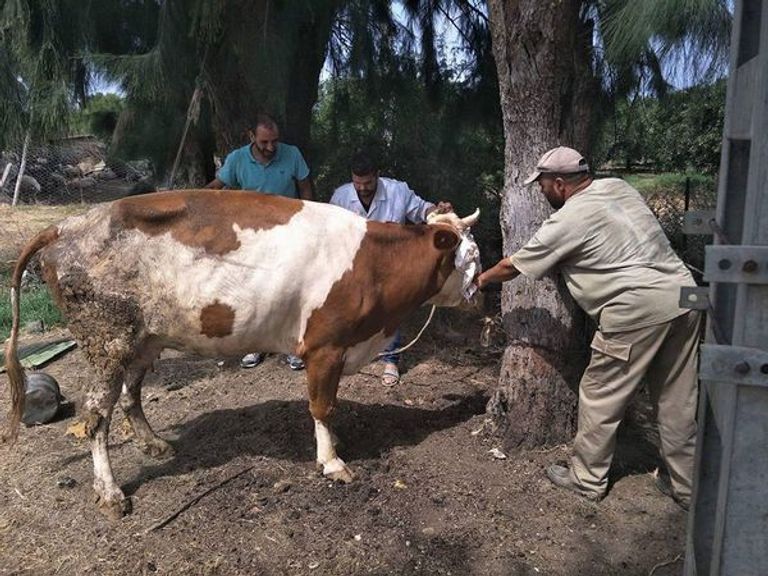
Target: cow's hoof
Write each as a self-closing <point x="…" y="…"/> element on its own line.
<point x="115" y="509"/>
<point x="338" y="471"/>
<point x="157" y="448"/>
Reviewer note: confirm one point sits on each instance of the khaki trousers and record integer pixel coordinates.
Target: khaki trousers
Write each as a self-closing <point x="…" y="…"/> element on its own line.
<point x="666" y="355"/>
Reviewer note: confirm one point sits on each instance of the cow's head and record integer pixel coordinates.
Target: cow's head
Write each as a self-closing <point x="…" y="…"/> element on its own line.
<point x="455" y="236"/>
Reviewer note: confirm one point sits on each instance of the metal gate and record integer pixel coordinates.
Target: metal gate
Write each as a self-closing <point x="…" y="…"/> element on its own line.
<point x="728" y="523"/>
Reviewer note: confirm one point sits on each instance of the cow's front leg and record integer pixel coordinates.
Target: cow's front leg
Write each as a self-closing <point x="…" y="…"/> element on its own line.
<point x="323" y="373"/>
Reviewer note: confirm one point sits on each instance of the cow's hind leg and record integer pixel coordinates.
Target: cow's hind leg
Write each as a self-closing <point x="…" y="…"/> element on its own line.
<point x="100" y="402"/>
<point x="323" y="373"/>
<point x="130" y="401"/>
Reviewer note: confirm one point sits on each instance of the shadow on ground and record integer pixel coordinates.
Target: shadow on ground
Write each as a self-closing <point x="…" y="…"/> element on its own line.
<point x="284" y="430"/>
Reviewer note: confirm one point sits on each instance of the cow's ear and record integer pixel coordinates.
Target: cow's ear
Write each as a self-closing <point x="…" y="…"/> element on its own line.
<point x="446" y="240"/>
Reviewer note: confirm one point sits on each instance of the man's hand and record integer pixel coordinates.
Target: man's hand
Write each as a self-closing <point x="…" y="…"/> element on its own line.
<point x="443" y="208"/>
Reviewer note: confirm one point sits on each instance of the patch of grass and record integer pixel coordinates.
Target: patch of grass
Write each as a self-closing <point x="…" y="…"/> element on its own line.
<point x="669" y="182"/>
<point x="36" y="304"/>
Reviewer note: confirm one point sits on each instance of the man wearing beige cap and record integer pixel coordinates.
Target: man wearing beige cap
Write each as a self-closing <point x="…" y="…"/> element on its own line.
<point x="619" y="267"/>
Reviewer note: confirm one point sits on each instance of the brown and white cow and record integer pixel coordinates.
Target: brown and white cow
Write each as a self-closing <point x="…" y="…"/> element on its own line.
<point x="221" y="274"/>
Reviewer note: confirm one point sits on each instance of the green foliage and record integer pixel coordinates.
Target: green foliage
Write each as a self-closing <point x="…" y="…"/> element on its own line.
<point x="41" y="40"/>
<point x="35" y="304"/>
<point x="443" y="152"/>
<point x="680" y="132"/>
<point x="99" y="117"/>
<point x="641" y="37"/>
<point x="671" y="183"/>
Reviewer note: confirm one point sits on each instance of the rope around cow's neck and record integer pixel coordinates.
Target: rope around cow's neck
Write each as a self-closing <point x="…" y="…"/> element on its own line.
<point x="412" y="342"/>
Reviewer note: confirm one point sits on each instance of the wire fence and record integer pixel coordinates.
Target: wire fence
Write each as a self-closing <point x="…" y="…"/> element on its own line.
<point x="66" y="171"/>
<point x="670" y="207"/>
<point x="79" y="170"/>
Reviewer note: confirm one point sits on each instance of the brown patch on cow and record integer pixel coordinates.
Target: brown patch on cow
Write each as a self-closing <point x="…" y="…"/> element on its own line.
<point x="203" y="218"/>
<point x="396" y="269"/>
<point x="446" y="239"/>
<point x="217" y="320"/>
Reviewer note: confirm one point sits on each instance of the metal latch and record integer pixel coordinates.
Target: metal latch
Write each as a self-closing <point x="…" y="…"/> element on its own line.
<point x="736" y="264"/>
<point x="736" y="364"/>
<point x="694" y="297"/>
<point x="698" y="222"/>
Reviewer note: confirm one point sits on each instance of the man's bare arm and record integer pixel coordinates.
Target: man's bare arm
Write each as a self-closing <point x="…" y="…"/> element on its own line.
<point x="305" y="189"/>
<point x="503" y="271"/>
<point x="215" y="184"/>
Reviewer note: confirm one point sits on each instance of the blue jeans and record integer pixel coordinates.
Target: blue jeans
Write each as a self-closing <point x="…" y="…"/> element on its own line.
<point x="394" y="345"/>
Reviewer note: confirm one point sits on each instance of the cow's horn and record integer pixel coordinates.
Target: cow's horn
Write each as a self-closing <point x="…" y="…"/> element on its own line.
<point x="470" y="220"/>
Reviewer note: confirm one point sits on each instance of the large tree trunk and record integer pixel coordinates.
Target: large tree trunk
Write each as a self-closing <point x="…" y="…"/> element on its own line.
<point x="269" y="61"/>
<point x="542" y="55"/>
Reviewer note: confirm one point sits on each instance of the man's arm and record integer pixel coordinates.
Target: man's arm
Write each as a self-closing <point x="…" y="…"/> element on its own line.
<point x="215" y="184"/>
<point x="503" y="271"/>
<point x="305" y="189"/>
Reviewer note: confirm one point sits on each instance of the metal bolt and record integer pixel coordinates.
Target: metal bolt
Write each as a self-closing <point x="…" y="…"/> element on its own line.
<point x="724" y="264"/>
<point x="764" y="368"/>
<point x="749" y="266"/>
<point x="741" y="368"/>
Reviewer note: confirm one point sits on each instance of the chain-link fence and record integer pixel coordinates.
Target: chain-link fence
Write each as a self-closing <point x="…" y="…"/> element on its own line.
<point x="670" y="206"/>
<point x="70" y="170"/>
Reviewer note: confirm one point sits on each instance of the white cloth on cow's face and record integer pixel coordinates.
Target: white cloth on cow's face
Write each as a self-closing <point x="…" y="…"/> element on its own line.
<point x="394" y="201"/>
<point x="467" y="263"/>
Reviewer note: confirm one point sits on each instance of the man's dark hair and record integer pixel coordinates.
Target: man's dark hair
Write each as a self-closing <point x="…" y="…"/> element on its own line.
<point x="265" y="120"/>
<point x="363" y="164"/>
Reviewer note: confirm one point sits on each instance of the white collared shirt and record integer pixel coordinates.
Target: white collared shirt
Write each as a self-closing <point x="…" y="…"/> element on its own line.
<point x="394" y="201"/>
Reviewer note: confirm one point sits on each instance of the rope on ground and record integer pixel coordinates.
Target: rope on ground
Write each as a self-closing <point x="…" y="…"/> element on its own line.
<point x="667" y="563"/>
<point x="194" y="501"/>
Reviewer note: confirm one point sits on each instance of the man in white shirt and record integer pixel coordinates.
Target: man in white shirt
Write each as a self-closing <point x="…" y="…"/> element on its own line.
<point x="384" y="200"/>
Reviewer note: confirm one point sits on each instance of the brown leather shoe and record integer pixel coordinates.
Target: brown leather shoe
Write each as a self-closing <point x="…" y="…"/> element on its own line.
<point x="560" y="476"/>
<point x="664" y="485"/>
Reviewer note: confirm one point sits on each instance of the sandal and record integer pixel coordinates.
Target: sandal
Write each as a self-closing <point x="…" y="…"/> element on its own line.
<point x="391" y="375"/>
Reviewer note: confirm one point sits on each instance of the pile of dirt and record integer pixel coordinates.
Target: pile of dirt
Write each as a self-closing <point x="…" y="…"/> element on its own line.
<point x="430" y="496"/>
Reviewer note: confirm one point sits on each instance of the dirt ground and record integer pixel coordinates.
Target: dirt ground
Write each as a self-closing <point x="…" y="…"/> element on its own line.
<point x="429" y="498"/>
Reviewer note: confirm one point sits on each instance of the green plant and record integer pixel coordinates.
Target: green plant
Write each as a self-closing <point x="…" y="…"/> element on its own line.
<point x="35" y="304"/>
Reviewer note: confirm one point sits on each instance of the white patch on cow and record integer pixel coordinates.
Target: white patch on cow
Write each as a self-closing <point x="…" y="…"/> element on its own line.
<point x="450" y="293"/>
<point x="325" y="450"/>
<point x="333" y="466"/>
<point x="362" y="353"/>
<point x="273" y="281"/>
<point x="303" y="260"/>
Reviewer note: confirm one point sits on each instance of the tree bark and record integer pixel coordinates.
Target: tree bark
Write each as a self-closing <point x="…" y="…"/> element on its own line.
<point x="542" y="53"/>
<point x="269" y="61"/>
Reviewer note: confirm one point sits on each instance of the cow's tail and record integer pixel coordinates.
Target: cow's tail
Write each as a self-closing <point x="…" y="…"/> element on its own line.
<point x="12" y="364"/>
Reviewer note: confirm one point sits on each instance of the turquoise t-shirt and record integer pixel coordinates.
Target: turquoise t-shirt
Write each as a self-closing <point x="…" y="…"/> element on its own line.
<point x="241" y="170"/>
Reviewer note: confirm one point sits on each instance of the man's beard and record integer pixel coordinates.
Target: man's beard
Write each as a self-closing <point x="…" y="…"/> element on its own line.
<point x="264" y="152"/>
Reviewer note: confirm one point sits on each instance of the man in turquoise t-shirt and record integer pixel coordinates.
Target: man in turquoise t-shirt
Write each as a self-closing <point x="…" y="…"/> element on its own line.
<point x="268" y="166"/>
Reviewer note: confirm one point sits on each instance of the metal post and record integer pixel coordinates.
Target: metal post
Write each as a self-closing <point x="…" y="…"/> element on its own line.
<point x="727" y="526"/>
<point x="22" y="167"/>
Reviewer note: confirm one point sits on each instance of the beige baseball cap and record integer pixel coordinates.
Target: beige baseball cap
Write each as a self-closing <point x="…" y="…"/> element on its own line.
<point x="560" y="160"/>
